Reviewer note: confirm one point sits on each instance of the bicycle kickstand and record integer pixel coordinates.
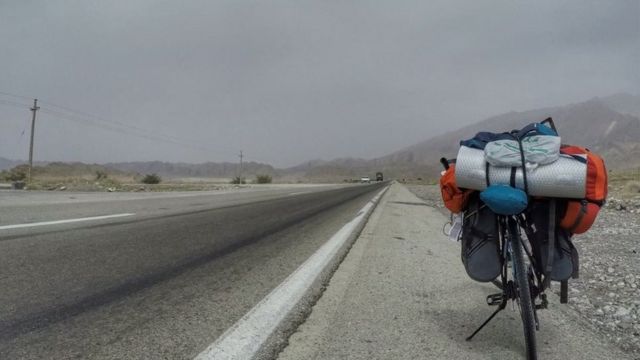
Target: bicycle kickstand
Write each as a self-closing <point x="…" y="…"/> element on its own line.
<point x="501" y="307"/>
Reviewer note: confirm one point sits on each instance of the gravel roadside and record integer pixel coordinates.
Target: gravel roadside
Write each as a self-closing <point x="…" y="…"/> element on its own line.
<point x="607" y="294"/>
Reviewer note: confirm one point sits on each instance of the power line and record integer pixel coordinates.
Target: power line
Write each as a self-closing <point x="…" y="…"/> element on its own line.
<point x="108" y="125"/>
<point x="83" y="114"/>
<point x="67" y="113"/>
<point x="16" y="95"/>
<point x="78" y="114"/>
<point x="132" y="131"/>
<point x="14" y="104"/>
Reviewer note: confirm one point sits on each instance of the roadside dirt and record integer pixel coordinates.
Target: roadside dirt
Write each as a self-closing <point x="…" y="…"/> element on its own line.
<point x="607" y="294"/>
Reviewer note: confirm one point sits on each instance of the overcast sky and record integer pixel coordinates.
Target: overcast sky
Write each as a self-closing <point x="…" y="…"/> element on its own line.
<point x="290" y="81"/>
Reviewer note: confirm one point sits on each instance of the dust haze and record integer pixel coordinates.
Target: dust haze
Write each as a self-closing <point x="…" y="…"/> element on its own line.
<point x="291" y="81"/>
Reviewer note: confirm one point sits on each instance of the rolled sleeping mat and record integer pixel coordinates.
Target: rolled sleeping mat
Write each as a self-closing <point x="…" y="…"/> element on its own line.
<point x="564" y="178"/>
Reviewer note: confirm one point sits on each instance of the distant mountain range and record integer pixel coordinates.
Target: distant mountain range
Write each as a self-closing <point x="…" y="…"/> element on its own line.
<point x="624" y="103"/>
<point x="609" y="126"/>
<point x="165" y="169"/>
<point x="8" y="164"/>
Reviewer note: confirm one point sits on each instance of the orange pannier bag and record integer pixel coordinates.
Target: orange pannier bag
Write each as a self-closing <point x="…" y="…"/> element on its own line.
<point x="581" y="214"/>
<point x="596" y="172"/>
<point x="454" y="199"/>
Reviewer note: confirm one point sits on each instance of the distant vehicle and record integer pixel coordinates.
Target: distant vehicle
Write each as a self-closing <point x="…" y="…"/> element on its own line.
<point x="365" y="179"/>
<point x="379" y="176"/>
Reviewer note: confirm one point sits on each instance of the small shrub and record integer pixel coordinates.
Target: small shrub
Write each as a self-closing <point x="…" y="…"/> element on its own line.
<point x="18" y="173"/>
<point x="263" y="179"/>
<point x="151" y="179"/>
<point x="101" y="175"/>
<point x="238" y="180"/>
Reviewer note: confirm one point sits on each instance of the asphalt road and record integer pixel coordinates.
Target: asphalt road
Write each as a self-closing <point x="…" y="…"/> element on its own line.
<point x="165" y="280"/>
<point x="34" y="206"/>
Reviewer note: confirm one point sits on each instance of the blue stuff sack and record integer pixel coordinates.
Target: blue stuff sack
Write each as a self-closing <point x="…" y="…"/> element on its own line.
<point x="536" y="129"/>
<point x="505" y="200"/>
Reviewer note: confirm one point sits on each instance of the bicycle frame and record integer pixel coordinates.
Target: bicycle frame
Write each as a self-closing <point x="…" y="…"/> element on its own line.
<point x="541" y="283"/>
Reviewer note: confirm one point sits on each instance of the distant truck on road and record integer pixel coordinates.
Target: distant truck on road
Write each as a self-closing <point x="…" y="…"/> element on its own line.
<point x="379" y="176"/>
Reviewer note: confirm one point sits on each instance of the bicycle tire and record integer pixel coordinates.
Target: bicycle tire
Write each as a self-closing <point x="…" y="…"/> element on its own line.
<point x="525" y="301"/>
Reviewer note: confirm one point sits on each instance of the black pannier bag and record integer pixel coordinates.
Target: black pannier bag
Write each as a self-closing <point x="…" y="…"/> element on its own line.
<point x="543" y="217"/>
<point x="480" y="247"/>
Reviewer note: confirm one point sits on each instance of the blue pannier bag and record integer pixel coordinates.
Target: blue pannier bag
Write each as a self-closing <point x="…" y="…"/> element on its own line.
<point x="504" y="199"/>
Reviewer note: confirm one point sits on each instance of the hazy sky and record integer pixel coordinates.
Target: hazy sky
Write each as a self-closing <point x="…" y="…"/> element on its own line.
<point x="289" y="81"/>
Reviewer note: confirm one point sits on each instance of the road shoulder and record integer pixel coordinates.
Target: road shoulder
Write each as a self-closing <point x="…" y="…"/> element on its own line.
<point x="402" y="293"/>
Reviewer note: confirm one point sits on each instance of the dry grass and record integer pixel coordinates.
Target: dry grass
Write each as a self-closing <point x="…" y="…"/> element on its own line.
<point x="625" y="182"/>
<point x="78" y="183"/>
<point x="120" y="183"/>
<point x="91" y="177"/>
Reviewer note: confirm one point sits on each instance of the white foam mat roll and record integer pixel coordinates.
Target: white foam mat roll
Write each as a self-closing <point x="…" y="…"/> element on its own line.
<point x="564" y="178"/>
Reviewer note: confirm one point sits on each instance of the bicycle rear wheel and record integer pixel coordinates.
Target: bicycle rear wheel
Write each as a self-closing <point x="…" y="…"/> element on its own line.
<point x="524" y="299"/>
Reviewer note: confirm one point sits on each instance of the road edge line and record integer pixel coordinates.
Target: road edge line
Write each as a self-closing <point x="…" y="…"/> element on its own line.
<point x="261" y="332"/>
<point x="64" y="221"/>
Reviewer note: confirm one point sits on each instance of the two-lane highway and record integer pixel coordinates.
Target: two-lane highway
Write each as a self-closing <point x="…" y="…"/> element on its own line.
<point x="162" y="280"/>
<point x="33" y="207"/>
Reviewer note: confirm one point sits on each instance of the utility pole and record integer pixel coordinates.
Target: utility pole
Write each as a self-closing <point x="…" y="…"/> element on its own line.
<point x="34" y="109"/>
<point x="240" y="176"/>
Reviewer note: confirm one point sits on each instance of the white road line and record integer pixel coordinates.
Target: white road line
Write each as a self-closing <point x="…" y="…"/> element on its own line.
<point x="67" y="221"/>
<point x="246" y="337"/>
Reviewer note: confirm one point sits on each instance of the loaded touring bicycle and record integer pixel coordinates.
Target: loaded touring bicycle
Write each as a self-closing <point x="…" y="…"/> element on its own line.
<point x="516" y="199"/>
